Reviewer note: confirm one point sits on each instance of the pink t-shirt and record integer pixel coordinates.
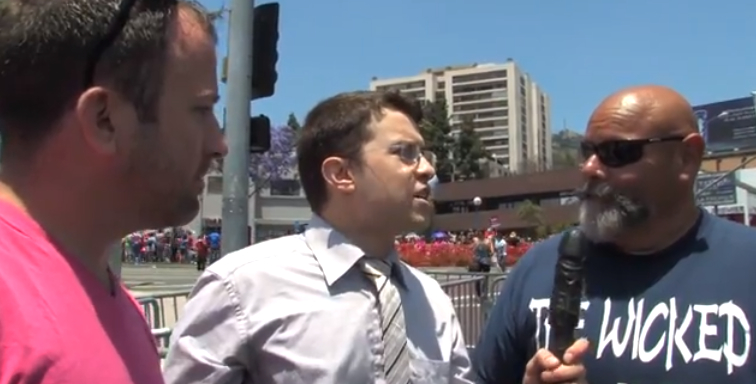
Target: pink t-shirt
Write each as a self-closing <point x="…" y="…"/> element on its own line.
<point x="58" y="323"/>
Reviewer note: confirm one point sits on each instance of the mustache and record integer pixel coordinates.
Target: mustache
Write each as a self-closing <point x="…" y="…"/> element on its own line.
<point x="595" y="191"/>
<point x="631" y="209"/>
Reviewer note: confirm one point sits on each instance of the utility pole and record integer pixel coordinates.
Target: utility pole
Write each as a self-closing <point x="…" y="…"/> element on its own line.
<point x="235" y="211"/>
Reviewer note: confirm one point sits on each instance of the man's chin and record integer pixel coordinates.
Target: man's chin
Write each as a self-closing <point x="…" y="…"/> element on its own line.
<point x="181" y="213"/>
<point x="598" y="229"/>
<point x="420" y="222"/>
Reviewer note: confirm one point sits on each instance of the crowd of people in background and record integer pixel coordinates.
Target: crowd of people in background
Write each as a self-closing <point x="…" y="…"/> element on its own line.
<point x="181" y="245"/>
<point x="489" y="247"/>
<point x="172" y="245"/>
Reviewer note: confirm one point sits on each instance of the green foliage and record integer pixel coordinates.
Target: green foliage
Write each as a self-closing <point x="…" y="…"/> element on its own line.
<point x="436" y="130"/>
<point x="566" y="149"/>
<point x="468" y="153"/>
<point x="530" y="213"/>
<point x="558" y="228"/>
<point x="293" y="123"/>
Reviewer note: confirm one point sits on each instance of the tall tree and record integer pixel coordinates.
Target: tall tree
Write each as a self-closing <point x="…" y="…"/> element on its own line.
<point x="293" y="122"/>
<point x="565" y="159"/>
<point x="468" y="152"/>
<point x="532" y="214"/>
<point x="276" y="164"/>
<point x="436" y="130"/>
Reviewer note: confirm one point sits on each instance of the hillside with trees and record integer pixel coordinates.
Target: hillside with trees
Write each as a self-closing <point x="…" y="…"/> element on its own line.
<point x="566" y="149"/>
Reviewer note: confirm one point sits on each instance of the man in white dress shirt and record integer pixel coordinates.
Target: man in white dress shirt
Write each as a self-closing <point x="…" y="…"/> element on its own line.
<point x="333" y="305"/>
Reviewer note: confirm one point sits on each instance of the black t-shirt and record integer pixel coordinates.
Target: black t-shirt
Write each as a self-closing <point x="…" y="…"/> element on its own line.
<point x="680" y="316"/>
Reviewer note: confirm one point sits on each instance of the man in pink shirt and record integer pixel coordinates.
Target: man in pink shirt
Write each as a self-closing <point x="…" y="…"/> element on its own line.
<point x="107" y="126"/>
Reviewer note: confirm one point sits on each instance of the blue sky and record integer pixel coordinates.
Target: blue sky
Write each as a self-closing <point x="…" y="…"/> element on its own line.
<point x="578" y="51"/>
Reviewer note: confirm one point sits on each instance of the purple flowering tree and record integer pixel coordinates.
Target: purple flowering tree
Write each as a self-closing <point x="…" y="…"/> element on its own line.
<point x="276" y="164"/>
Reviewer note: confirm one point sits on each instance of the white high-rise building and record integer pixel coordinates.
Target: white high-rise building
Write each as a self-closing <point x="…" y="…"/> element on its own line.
<point x="510" y="113"/>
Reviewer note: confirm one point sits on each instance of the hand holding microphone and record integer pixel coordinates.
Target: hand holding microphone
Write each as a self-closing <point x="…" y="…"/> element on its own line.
<point x="561" y="363"/>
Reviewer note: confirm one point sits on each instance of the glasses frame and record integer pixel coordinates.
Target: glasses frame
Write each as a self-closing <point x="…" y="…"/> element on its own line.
<point x="633" y="150"/>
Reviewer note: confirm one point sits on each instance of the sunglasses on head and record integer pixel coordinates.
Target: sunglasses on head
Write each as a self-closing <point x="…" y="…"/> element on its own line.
<point x="619" y="153"/>
<point x="114" y="31"/>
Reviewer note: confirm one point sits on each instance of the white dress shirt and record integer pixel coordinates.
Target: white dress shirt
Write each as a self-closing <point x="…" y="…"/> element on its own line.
<point x="297" y="310"/>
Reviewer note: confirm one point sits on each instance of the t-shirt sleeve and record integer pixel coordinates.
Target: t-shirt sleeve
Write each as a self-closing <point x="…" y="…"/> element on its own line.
<point x="503" y="349"/>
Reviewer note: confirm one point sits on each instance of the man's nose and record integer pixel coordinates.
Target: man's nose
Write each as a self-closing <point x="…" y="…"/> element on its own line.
<point x="218" y="146"/>
<point x="425" y="170"/>
<point x="592" y="168"/>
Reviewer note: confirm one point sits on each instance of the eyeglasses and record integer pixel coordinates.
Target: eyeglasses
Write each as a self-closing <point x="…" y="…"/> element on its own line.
<point x="410" y="153"/>
<point x="619" y="153"/>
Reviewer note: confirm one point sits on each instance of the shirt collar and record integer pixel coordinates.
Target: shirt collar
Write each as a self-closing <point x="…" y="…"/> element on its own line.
<point x="336" y="254"/>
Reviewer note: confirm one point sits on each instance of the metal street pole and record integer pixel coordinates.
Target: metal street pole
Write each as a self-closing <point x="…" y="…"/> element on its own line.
<point x="235" y="211"/>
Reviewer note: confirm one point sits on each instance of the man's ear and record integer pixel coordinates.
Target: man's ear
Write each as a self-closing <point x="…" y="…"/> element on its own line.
<point x="337" y="173"/>
<point x="100" y="113"/>
<point x="692" y="156"/>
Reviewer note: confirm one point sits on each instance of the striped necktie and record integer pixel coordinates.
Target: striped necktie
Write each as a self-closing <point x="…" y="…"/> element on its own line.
<point x="395" y="355"/>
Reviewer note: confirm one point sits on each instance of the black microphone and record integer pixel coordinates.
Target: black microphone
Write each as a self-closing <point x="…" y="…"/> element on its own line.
<point x="569" y="285"/>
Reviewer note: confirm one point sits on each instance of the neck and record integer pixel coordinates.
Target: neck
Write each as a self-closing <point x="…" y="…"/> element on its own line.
<point x="65" y="210"/>
<point x="370" y="239"/>
<point x="661" y="232"/>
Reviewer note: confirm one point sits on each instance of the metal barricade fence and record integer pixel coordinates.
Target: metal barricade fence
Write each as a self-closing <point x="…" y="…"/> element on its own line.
<point x="472" y="295"/>
<point x="152" y="313"/>
<point x="163" y="310"/>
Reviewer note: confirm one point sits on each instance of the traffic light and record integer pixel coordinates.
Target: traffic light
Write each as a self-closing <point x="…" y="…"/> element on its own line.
<point x="259" y="134"/>
<point x="265" y="50"/>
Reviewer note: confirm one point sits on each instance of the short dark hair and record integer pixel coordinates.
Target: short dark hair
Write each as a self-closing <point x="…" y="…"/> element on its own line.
<point x="339" y="126"/>
<point x="46" y="46"/>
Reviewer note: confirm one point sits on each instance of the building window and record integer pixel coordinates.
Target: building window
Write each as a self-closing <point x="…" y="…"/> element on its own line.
<point x="285" y="187"/>
<point x="214" y="185"/>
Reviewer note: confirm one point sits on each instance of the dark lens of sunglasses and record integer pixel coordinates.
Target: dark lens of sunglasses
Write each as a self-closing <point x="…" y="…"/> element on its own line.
<point x="619" y="153"/>
<point x="613" y="154"/>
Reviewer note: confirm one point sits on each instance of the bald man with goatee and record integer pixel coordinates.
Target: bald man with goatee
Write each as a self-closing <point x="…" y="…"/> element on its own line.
<point x="671" y="290"/>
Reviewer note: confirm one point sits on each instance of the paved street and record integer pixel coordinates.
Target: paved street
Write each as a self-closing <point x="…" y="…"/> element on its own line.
<point x="150" y="278"/>
<point x="158" y="278"/>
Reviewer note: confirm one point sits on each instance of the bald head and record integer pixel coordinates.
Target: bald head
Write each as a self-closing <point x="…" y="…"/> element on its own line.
<point x="644" y="111"/>
<point x="642" y="153"/>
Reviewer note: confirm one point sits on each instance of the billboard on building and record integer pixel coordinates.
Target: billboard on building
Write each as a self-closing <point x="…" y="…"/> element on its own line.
<point x="728" y="125"/>
<point x="723" y="192"/>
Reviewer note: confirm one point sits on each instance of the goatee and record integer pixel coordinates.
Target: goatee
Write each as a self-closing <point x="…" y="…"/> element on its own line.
<point x="606" y="213"/>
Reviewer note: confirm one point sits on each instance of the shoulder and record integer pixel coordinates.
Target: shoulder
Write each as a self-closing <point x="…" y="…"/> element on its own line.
<point x="716" y="229"/>
<point x="277" y="252"/>
<point x="29" y="339"/>
<point x="264" y="270"/>
<point x="727" y="239"/>
<point x="264" y="262"/>
<point x="532" y="276"/>
<point x="540" y="255"/>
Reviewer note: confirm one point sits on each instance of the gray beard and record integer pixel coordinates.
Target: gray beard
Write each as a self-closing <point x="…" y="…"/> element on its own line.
<point x="601" y="222"/>
<point x="605" y="215"/>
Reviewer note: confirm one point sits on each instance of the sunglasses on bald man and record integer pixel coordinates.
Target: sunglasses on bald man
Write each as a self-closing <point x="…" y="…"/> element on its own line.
<point x="619" y="153"/>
